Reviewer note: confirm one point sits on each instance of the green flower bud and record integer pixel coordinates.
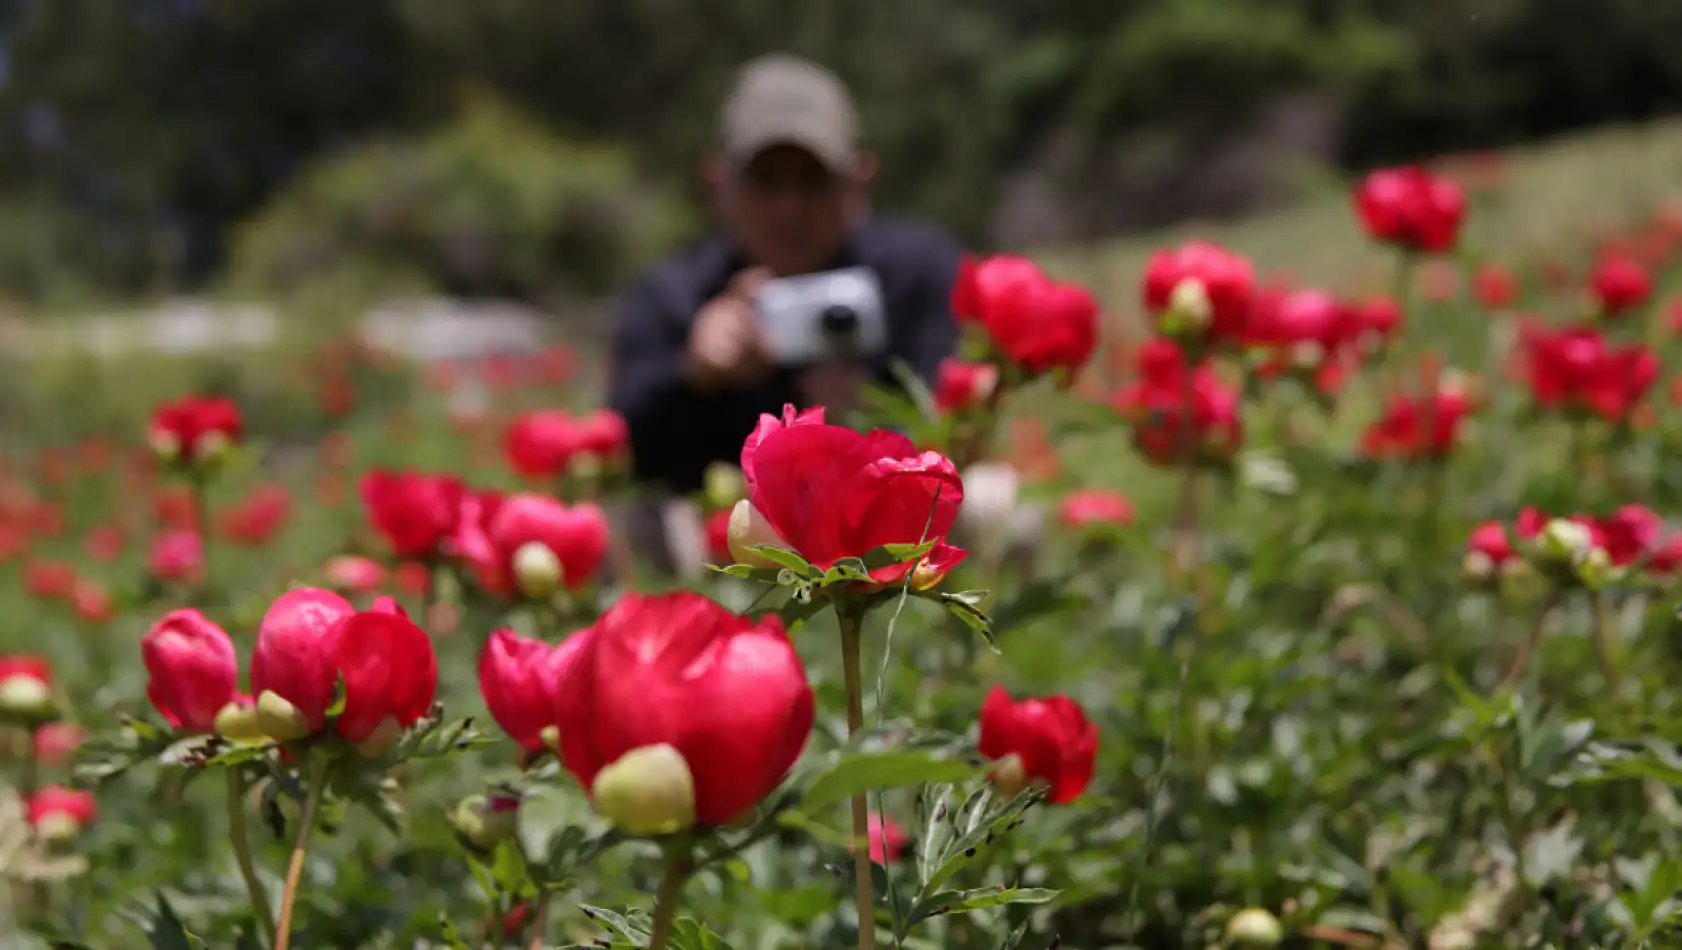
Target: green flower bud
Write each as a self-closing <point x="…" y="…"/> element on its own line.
<point x="1254" y="927"/>
<point x="279" y="719"/>
<point x="648" y="791"/>
<point x="29" y="698"/>
<point x="537" y="570"/>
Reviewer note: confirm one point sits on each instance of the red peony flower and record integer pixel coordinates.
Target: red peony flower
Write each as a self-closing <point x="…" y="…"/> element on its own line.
<point x="1031" y="320"/>
<point x="192" y="670"/>
<point x="1411" y="208"/>
<point x="726" y="694"/>
<point x="829" y="493"/>
<point x="416" y="513"/>
<point x="1039" y="741"/>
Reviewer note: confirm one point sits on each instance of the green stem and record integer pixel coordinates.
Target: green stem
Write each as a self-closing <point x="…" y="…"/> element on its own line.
<point x="852" y="630"/>
<point x="1601" y="635"/>
<point x="1516" y="672"/>
<point x="201" y="517"/>
<point x="300" y="847"/>
<point x="1187" y="548"/>
<point x="540" y="923"/>
<point x="679" y="865"/>
<point x="242" y="853"/>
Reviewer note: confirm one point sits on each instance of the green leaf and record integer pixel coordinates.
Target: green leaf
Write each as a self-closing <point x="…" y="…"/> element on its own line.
<point x="168" y="933"/>
<point x="623" y="925"/>
<point x="890" y="554"/>
<point x="860" y="772"/>
<point x="962" y="902"/>
<point x="764" y="575"/>
<point x="796" y="612"/>
<point x="786" y="558"/>
<point x="962" y="605"/>
<point x="847" y="569"/>
<point x="450" y="935"/>
<point x="980" y="821"/>
<point x="916" y="391"/>
<point x="689" y="935"/>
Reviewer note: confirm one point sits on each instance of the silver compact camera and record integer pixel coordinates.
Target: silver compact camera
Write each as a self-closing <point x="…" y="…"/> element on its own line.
<point x="832" y="316"/>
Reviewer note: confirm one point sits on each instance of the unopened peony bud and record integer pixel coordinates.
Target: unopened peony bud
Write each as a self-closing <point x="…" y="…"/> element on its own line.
<point x="1189" y="309"/>
<point x="724" y="485"/>
<point x="585" y="465"/>
<point x="279" y="719"/>
<point x="27" y="697"/>
<point x="1307" y="354"/>
<point x="748" y="528"/>
<point x="537" y="569"/>
<point x="238" y="722"/>
<point x="487" y="821"/>
<point x="1562" y="538"/>
<point x="58" y="827"/>
<point x="1010" y="777"/>
<point x="1595" y="569"/>
<point x="1477" y="566"/>
<point x="380" y="741"/>
<point x="551" y="736"/>
<point x="647" y="791"/>
<point x="164" y="445"/>
<point x="211" y="450"/>
<point x="1254" y="927"/>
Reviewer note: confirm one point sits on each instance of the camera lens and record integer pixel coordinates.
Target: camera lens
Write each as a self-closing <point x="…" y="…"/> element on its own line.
<point x="839" y="320"/>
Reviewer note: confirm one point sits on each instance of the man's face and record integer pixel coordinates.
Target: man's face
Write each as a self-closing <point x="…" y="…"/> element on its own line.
<point x="787" y="210"/>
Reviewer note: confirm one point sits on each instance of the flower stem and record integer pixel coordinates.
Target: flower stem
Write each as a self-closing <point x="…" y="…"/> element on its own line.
<point x="242" y="853"/>
<point x="1516" y="672"/>
<point x="1601" y="634"/>
<point x="1186" y="546"/>
<point x="295" y="868"/>
<point x="852" y="628"/>
<point x="540" y="923"/>
<point x="679" y="864"/>
<point x="201" y="519"/>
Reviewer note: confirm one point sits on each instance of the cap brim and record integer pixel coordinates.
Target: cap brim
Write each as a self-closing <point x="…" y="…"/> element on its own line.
<point x="832" y="153"/>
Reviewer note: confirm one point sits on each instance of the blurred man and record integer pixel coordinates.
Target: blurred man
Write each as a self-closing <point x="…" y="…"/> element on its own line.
<point x="691" y="367"/>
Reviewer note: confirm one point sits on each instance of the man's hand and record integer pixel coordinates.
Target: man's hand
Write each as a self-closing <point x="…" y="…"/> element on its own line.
<point x="725" y="345"/>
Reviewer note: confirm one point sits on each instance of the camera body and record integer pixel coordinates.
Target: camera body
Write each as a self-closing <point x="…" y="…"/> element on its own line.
<point x="834" y="315"/>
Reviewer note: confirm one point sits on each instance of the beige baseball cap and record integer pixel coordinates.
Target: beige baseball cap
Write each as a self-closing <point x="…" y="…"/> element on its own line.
<point x="785" y="100"/>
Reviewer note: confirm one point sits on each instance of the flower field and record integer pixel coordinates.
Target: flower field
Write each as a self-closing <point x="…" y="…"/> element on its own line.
<point x="1244" y="612"/>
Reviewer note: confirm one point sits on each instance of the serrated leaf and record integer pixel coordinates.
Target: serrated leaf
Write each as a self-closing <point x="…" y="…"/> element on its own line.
<point x="962" y="902"/>
<point x="860" y="772"/>
<point x="982" y="820"/>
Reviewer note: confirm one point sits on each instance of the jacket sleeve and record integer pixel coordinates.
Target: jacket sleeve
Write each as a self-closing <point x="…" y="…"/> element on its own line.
<point x="930" y="332"/>
<point x="647" y="384"/>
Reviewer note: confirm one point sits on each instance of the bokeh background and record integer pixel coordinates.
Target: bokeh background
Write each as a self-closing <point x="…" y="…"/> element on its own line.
<point x="289" y="166"/>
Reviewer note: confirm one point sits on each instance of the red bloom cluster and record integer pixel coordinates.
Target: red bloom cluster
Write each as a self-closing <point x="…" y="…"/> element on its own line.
<point x="547" y="443"/>
<point x="195" y="429"/>
<point x="1576" y="368"/>
<point x="1031" y="321"/>
<point x="1411" y="208"/>
<point x="1168" y="397"/>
